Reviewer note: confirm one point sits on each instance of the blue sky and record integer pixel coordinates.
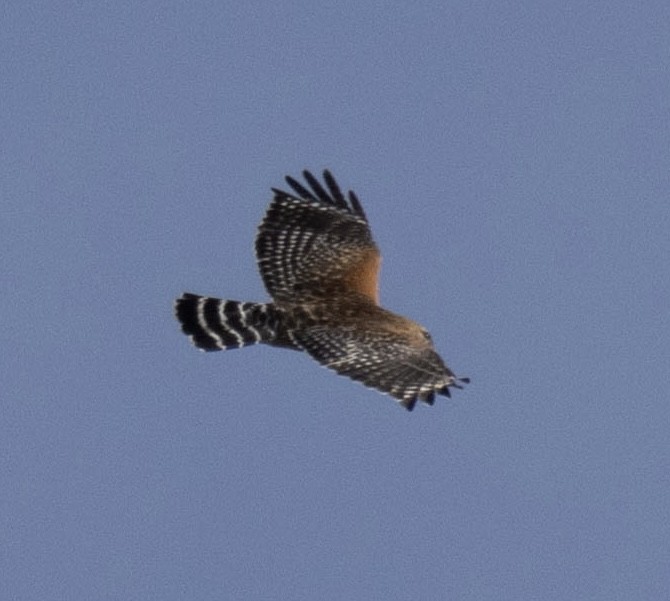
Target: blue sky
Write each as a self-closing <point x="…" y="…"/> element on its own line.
<point x="514" y="162"/>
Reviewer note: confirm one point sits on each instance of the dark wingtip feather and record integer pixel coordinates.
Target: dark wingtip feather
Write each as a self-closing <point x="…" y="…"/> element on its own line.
<point x="334" y="188"/>
<point x="408" y="403"/>
<point x="356" y="205"/>
<point x="456" y="384"/>
<point x="300" y="189"/>
<point x="429" y="399"/>
<point x="278" y="192"/>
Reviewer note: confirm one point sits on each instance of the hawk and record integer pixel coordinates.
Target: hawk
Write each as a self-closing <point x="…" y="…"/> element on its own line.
<point x="320" y="265"/>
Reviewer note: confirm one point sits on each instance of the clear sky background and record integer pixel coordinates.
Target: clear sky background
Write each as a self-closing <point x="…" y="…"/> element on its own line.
<point x="514" y="161"/>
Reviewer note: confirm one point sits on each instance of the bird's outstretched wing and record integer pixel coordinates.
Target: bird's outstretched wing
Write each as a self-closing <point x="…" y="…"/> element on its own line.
<point x="316" y="243"/>
<point x="393" y="363"/>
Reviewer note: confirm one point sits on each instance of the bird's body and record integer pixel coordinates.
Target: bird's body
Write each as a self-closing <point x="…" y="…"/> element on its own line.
<point x="320" y="265"/>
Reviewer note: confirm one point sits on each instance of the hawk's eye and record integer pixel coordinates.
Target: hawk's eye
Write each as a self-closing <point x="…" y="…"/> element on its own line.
<point x="427" y="335"/>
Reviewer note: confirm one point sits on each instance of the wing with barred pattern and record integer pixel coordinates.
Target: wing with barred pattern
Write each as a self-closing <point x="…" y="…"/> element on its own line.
<point x="316" y="243"/>
<point x="385" y="361"/>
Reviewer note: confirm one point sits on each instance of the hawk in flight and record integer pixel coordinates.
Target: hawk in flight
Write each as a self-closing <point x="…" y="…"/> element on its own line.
<point x="320" y="265"/>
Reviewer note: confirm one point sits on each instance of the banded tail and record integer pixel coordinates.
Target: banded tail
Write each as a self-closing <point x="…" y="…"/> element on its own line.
<point x="215" y="324"/>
